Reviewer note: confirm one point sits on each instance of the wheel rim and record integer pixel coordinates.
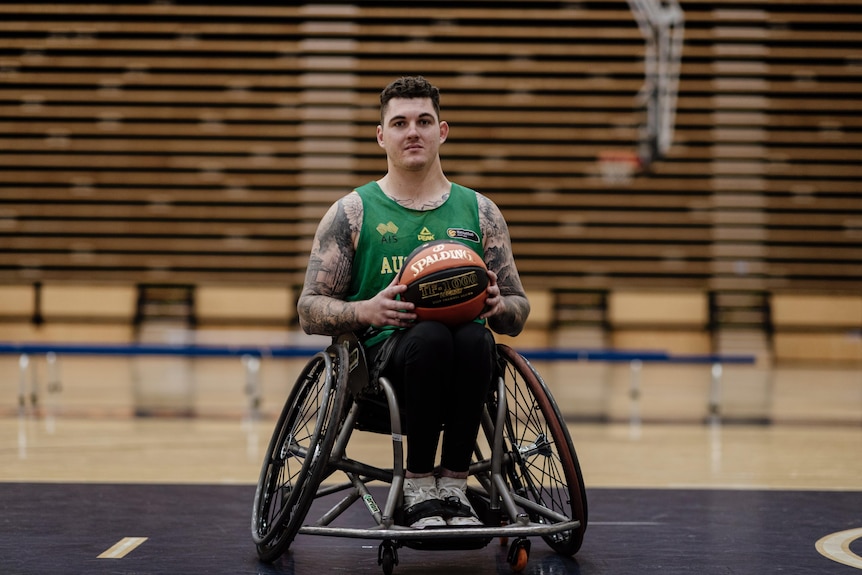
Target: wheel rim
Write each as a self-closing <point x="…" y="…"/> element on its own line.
<point x="536" y="435"/>
<point x="286" y="468"/>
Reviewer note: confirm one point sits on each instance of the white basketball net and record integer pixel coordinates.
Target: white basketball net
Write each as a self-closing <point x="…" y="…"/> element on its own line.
<point x="661" y="23"/>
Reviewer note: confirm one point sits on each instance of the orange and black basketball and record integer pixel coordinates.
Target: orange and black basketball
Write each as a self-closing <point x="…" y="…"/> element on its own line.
<point x="446" y="280"/>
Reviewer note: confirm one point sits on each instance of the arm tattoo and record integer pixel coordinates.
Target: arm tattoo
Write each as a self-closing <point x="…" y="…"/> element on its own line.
<point x="499" y="258"/>
<point x="321" y="307"/>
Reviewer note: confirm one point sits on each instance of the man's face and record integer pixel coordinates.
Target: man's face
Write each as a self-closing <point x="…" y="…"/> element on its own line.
<point x="410" y="133"/>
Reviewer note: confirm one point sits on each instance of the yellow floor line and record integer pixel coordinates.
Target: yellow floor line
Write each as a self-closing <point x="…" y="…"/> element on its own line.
<point x="122" y="548"/>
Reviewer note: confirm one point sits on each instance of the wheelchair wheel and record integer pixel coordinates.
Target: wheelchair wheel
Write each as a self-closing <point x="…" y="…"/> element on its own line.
<point x="545" y="467"/>
<point x="298" y="452"/>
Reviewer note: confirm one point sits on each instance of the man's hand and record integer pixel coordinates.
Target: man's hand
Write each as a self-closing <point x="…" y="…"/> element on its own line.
<point x="494" y="302"/>
<point x="383" y="309"/>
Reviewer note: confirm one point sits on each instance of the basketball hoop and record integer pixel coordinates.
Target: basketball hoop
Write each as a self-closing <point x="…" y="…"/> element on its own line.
<point x="618" y="167"/>
<point x="661" y="23"/>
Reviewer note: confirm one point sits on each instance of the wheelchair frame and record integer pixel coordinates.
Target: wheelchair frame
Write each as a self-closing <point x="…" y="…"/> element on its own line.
<point x="310" y="442"/>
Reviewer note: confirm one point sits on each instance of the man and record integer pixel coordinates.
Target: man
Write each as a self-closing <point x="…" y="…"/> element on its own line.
<point x="441" y="374"/>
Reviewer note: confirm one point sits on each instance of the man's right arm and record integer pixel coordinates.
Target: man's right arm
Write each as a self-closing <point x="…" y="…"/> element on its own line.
<point x="322" y="307"/>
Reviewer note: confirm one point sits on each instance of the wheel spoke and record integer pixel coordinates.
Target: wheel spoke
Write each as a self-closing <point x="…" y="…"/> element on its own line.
<point x="544" y="466"/>
<point x="298" y="452"/>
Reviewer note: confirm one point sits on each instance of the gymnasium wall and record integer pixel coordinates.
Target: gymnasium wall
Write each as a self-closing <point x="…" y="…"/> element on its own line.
<point x="173" y="147"/>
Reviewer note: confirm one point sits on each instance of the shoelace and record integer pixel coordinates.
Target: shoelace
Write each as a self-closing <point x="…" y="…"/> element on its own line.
<point x="422" y="493"/>
<point x="449" y="492"/>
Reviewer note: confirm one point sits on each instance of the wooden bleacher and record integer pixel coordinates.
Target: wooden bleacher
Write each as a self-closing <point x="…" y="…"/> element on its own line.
<point x="817" y="327"/>
<point x="199" y="144"/>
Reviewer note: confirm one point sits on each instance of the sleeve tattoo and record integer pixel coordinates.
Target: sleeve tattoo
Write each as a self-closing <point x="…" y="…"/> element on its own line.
<point x="499" y="259"/>
<point x="322" y="308"/>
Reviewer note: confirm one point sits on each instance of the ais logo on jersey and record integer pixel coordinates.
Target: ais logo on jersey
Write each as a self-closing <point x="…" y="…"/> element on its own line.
<point x="387" y="232"/>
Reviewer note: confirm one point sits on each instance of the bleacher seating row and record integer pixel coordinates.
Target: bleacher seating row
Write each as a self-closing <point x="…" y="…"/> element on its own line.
<point x="180" y="143"/>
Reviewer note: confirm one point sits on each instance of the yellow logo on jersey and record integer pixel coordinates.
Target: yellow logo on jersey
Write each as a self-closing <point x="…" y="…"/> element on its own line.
<point x="388" y="232"/>
<point x="387" y="228"/>
<point x="425" y="235"/>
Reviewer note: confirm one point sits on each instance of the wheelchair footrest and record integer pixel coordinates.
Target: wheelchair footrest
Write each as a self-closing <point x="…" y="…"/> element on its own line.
<point x="404" y="534"/>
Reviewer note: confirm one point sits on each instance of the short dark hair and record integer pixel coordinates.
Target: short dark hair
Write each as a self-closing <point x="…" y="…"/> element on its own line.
<point x="409" y="87"/>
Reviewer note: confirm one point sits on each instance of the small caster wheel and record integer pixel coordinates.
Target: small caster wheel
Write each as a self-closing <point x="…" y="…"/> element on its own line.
<point x="519" y="554"/>
<point x="387" y="557"/>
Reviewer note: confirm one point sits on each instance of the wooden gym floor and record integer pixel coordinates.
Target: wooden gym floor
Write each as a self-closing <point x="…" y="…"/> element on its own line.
<point x="87" y="487"/>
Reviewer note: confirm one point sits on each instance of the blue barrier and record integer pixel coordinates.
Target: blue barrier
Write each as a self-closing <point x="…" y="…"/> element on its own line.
<point x="155" y="349"/>
<point x="608" y="355"/>
<point x="251" y="356"/>
<point x="611" y="355"/>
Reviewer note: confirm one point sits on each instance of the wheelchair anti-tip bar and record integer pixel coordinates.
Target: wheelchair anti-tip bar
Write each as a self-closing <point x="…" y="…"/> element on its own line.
<point x="401" y="533"/>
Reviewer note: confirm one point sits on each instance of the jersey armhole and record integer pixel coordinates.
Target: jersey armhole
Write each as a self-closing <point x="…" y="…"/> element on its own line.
<point x="361" y="222"/>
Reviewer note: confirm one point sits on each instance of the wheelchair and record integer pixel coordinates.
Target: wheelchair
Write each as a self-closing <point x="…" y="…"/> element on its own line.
<point x="524" y="479"/>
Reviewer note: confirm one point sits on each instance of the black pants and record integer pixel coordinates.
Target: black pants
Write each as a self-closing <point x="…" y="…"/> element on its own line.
<point x="442" y="376"/>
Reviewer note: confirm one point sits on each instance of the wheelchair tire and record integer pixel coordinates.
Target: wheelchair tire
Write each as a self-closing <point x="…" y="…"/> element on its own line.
<point x="545" y="466"/>
<point x="289" y="479"/>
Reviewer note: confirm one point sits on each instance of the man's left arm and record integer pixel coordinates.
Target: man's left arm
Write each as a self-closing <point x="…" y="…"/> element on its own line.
<point x="509" y="312"/>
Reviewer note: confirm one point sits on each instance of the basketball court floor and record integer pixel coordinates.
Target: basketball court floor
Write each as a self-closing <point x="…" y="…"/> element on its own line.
<point x="102" y="491"/>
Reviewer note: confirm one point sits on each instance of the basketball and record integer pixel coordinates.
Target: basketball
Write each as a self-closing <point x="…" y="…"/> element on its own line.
<point x="446" y="280"/>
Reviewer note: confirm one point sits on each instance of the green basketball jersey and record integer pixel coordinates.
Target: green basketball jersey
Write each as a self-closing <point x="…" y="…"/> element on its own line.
<point x="390" y="232"/>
